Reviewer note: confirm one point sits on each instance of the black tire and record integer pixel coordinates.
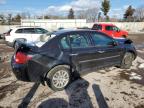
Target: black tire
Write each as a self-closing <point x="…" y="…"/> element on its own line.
<point x="51" y="74"/>
<point x="127" y="60"/>
<point x="15" y="46"/>
<point x="124" y="36"/>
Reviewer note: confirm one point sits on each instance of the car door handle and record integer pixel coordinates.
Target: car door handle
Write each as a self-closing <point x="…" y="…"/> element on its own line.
<point x="74" y="54"/>
<point x="101" y="51"/>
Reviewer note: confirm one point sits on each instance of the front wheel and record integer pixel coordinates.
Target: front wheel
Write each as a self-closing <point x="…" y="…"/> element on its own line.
<point x="127" y="60"/>
<point x="58" y="78"/>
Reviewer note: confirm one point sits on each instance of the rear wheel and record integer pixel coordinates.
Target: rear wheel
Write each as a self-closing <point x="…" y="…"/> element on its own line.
<point x="58" y="78"/>
<point x="16" y="45"/>
<point x="127" y="60"/>
<point x="124" y="36"/>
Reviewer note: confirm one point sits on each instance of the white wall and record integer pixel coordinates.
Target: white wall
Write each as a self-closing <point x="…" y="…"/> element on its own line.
<point x="5" y="28"/>
<point x="51" y="24"/>
<point x="66" y="23"/>
<point x="55" y="24"/>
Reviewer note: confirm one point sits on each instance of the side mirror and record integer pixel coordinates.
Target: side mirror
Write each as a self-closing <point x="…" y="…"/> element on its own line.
<point x="128" y="41"/>
<point x="113" y="43"/>
<point x="118" y="30"/>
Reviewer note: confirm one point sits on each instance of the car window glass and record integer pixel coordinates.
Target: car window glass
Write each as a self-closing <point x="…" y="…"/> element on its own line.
<point x="29" y="30"/>
<point x="109" y="28"/>
<point x="101" y="40"/>
<point x="97" y="27"/>
<point x="64" y="43"/>
<point x="79" y="41"/>
<point x="19" y="31"/>
<point x="40" y="31"/>
<point x="116" y="28"/>
<point x="9" y="31"/>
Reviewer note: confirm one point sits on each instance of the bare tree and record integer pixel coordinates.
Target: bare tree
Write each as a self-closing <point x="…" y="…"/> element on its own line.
<point x="139" y="14"/>
<point x="89" y="14"/>
<point x="81" y="14"/>
<point x="92" y="14"/>
<point x="23" y="15"/>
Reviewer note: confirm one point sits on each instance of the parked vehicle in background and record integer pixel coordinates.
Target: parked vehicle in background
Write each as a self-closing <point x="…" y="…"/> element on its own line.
<point x="1" y="36"/>
<point x="27" y="34"/>
<point x="110" y="30"/>
<point x="5" y="34"/>
<point x="67" y="53"/>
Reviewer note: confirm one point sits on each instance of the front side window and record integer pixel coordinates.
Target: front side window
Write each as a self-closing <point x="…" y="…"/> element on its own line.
<point x="116" y="28"/>
<point x="100" y="40"/>
<point x="79" y="41"/>
<point x="40" y="31"/>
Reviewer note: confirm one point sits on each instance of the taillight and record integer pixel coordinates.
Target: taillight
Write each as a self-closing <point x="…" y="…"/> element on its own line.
<point x="7" y="34"/>
<point x="22" y="58"/>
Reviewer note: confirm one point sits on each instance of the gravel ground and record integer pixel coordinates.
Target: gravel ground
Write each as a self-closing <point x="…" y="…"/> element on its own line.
<point x="110" y="87"/>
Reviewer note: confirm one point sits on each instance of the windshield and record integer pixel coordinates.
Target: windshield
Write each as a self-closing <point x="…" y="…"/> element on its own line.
<point x="46" y="37"/>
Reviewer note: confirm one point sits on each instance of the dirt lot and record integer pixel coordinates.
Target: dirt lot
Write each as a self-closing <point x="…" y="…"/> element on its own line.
<point x="111" y="87"/>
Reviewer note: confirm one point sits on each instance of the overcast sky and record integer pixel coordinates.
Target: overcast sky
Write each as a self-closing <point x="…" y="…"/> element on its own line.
<point x="62" y="6"/>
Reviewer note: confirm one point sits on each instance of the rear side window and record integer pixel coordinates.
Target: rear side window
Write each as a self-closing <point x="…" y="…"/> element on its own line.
<point x="29" y="30"/>
<point x="109" y="28"/>
<point x="19" y="31"/>
<point x="100" y="39"/>
<point x="97" y="27"/>
<point x="79" y="41"/>
<point x="64" y="43"/>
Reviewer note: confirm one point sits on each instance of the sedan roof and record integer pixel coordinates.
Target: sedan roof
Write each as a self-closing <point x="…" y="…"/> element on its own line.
<point x="73" y="30"/>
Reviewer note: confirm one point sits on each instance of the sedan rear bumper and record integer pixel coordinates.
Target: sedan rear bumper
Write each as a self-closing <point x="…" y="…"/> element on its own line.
<point x="23" y="73"/>
<point x="20" y="71"/>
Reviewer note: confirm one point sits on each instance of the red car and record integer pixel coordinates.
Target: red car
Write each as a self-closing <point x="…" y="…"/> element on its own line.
<point x="110" y="30"/>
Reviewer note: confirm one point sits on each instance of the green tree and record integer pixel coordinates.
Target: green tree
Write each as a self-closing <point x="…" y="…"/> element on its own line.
<point x="2" y="18"/>
<point x="9" y="18"/>
<point x="105" y="8"/>
<point x="71" y="14"/>
<point x="128" y="16"/>
<point x="46" y="17"/>
<point x="17" y="18"/>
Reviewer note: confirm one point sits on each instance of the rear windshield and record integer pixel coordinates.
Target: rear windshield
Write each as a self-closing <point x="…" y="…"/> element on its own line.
<point x="97" y="27"/>
<point x="9" y="31"/>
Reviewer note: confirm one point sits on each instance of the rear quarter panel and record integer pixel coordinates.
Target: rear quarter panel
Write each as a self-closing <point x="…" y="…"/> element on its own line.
<point x="49" y="56"/>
